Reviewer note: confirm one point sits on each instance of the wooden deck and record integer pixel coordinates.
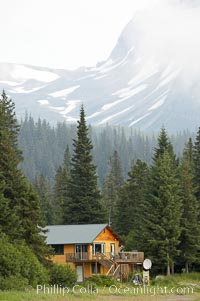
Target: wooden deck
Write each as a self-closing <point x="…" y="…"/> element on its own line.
<point x="123" y="257"/>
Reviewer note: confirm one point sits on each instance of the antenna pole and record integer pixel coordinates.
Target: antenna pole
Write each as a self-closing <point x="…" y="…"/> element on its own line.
<point x="109" y="217"/>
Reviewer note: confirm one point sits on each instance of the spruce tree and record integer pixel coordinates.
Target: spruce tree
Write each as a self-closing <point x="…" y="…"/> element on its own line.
<point x="163" y="212"/>
<point x="131" y="197"/>
<point x="9" y="160"/>
<point x="190" y="235"/>
<point x="61" y="189"/>
<point x="32" y="221"/>
<point x="60" y="194"/>
<point x="160" y="229"/>
<point x="112" y="184"/>
<point x="189" y="151"/>
<point x="124" y="210"/>
<point x="136" y="188"/>
<point x="196" y="160"/>
<point x="163" y="144"/>
<point x="67" y="160"/>
<point x="84" y="196"/>
<point x="137" y="182"/>
<point x="43" y="190"/>
<point x="18" y="195"/>
<point x="8" y="217"/>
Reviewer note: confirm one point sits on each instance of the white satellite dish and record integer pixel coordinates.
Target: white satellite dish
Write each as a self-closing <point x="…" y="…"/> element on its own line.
<point x="147" y="264"/>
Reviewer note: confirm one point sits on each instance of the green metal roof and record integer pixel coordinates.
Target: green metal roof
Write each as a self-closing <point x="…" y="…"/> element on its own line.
<point x="73" y="234"/>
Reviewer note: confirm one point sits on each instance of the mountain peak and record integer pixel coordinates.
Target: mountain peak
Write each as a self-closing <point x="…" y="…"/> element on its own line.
<point x="150" y="78"/>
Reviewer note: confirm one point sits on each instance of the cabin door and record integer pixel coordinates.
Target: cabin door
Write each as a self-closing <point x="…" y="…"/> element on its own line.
<point x="79" y="271"/>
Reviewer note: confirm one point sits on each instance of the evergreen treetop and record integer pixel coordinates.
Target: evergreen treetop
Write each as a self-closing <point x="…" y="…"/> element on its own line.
<point x="84" y="196"/>
<point x="163" y="145"/>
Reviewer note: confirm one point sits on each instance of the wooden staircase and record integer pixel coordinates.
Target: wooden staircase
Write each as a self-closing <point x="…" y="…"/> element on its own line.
<point x="114" y="271"/>
<point x="112" y="266"/>
<point x="104" y="260"/>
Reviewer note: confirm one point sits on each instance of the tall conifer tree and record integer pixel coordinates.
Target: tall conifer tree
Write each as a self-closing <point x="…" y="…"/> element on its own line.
<point x="61" y="194"/>
<point x="160" y="229"/>
<point x="43" y="190"/>
<point x="84" y="196"/>
<point x="18" y="195"/>
<point x="112" y="184"/>
<point x="9" y="159"/>
<point x="196" y="159"/>
<point x="136" y="187"/>
<point x="130" y="198"/>
<point x="61" y="189"/>
<point x="163" y="145"/>
<point x="190" y="235"/>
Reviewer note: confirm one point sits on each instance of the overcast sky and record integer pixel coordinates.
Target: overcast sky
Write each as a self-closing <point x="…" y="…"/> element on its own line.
<point x="63" y="33"/>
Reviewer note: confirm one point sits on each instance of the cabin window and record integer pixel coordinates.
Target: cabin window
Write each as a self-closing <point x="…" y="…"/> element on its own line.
<point x="96" y="268"/>
<point x="81" y="251"/>
<point x="58" y="249"/>
<point x="98" y="248"/>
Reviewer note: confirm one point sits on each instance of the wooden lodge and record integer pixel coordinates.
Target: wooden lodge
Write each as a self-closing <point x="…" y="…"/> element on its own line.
<point x="92" y="249"/>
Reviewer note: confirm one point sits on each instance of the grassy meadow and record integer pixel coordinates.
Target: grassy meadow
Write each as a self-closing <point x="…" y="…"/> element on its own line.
<point x="173" y="288"/>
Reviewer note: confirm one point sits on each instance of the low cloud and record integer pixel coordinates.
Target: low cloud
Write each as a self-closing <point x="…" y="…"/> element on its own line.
<point x="169" y="33"/>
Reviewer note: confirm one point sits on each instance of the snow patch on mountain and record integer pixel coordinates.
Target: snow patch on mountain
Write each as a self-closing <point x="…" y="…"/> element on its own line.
<point x="57" y="109"/>
<point x="64" y="92"/>
<point x="9" y="83"/>
<point x="43" y="102"/>
<point x="159" y="103"/>
<point x="139" y="119"/>
<point x="113" y="65"/>
<point x="128" y="92"/>
<point x="102" y="67"/>
<point x="21" y="72"/>
<point x="71" y="105"/>
<point x="105" y="120"/>
<point x="169" y="69"/>
<point x="94" y="115"/>
<point x="101" y="76"/>
<point x="168" y="79"/>
<point x="142" y="75"/>
<point x="85" y="77"/>
<point x="70" y="119"/>
<point x="22" y="89"/>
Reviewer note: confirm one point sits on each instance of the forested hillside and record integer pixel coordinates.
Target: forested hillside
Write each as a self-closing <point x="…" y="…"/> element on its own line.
<point x="149" y="194"/>
<point x="43" y="146"/>
<point x="149" y="185"/>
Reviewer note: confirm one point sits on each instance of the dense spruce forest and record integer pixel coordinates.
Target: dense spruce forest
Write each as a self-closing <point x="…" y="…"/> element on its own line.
<point x="148" y="185"/>
<point x="149" y="191"/>
<point x="44" y="146"/>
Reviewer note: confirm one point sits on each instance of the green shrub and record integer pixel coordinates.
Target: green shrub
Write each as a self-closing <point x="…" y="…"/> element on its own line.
<point x="13" y="282"/>
<point x="31" y="268"/>
<point x="101" y="280"/>
<point x="19" y="266"/>
<point x="62" y="275"/>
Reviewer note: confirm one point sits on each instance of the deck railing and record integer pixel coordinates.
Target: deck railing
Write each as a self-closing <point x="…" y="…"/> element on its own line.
<point x="78" y="256"/>
<point x="130" y="256"/>
<point x="134" y="257"/>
